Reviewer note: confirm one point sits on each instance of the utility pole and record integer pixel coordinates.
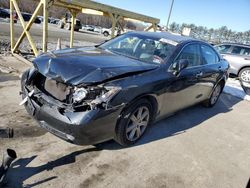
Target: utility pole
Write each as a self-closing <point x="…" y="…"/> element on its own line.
<point x="170" y="11"/>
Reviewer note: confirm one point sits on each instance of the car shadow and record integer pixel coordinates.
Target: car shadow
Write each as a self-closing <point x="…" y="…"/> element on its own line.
<point x="180" y="122"/>
<point x="20" y="171"/>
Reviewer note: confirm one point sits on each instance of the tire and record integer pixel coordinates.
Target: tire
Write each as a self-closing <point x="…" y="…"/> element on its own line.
<point x="61" y="24"/>
<point x="106" y="34"/>
<point x="132" y="126"/>
<point x="244" y="74"/>
<point x="68" y="26"/>
<point x="214" y="96"/>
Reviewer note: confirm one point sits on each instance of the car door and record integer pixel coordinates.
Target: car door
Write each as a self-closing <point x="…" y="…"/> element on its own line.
<point x="238" y="58"/>
<point x="184" y="89"/>
<point x="211" y="70"/>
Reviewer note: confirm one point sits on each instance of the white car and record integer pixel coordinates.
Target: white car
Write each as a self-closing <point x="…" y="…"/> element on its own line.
<point x="238" y="56"/>
<point x="107" y="32"/>
<point x="88" y="27"/>
<point x="98" y="29"/>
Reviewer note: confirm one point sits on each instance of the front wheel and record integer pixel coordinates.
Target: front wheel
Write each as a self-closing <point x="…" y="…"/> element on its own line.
<point x="134" y="122"/>
<point x="214" y="96"/>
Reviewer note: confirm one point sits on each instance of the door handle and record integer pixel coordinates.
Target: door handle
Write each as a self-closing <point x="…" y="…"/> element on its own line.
<point x="200" y="74"/>
<point x="220" y="68"/>
<point x="247" y="58"/>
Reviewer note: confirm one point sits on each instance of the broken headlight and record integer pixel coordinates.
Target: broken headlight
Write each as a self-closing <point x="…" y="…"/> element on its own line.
<point x="107" y="96"/>
<point x="79" y="95"/>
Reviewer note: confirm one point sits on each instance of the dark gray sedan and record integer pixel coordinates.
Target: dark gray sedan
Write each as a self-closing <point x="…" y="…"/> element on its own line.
<point x="116" y="89"/>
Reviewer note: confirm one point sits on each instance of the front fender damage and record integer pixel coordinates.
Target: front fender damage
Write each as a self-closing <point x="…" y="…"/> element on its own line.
<point x="76" y="113"/>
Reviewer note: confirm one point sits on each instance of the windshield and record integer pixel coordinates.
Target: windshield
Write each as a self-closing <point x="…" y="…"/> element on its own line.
<point x="153" y="50"/>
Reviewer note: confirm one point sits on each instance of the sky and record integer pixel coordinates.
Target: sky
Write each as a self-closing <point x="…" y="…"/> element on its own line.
<point x="235" y="14"/>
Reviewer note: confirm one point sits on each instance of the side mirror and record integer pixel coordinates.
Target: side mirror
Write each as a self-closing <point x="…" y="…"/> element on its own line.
<point x="180" y="65"/>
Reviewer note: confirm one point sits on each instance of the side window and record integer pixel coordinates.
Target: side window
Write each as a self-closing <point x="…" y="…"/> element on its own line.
<point x="208" y="55"/>
<point x="237" y="50"/>
<point x="192" y="54"/>
<point x="241" y="50"/>
<point x="247" y="51"/>
<point x="223" y="48"/>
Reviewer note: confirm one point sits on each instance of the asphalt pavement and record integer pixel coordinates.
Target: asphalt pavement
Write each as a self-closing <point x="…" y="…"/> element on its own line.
<point x="53" y="33"/>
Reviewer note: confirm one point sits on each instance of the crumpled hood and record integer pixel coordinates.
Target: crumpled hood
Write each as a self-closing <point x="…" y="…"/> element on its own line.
<point x="87" y="65"/>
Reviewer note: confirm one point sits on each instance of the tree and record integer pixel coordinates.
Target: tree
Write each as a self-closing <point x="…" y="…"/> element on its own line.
<point x="174" y="27"/>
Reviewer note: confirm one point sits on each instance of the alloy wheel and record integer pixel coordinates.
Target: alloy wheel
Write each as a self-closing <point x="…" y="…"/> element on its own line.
<point x="137" y="123"/>
<point x="245" y="76"/>
<point x="216" y="94"/>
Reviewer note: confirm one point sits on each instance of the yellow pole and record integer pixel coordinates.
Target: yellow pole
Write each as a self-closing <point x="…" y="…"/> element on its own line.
<point x="112" y="16"/>
<point x="155" y="27"/>
<point x="150" y="27"/>
<point x="73" y="17"/>
<point x="11" y="26"/>
<point x="45" y="25"/>
<point x="113" y="29"/>
<point x="120" y="26"/>
<point x="24" y="26"/>
<point x="28" y="26"/>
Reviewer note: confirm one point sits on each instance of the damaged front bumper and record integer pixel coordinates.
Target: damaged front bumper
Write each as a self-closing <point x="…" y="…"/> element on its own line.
<point x="82" y="128"/>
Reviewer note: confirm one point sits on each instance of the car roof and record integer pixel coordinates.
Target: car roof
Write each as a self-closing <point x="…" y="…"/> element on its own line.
<point x="167" y="35"/>
<point x="234" y="44"/>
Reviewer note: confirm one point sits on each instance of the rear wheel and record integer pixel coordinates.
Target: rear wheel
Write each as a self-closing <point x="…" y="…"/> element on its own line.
<point x="214" y="96"/>
<point x="106" y="34"/>
<point x="244" y="74"/>
<point x="134" y="122"/>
